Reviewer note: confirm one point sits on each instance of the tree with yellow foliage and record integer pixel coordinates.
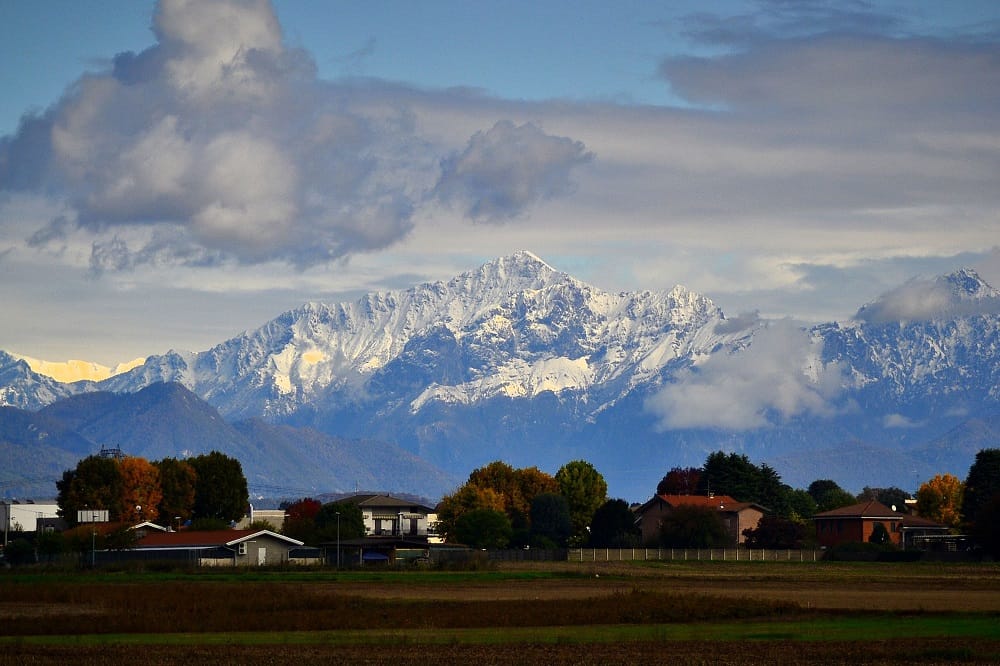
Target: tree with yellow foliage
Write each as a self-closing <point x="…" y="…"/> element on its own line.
<point x="466" y="499"/>
<point x="940" y="500"/>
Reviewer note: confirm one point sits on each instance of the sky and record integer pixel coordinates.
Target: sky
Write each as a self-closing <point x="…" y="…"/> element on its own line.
<point x="174" y="173"/>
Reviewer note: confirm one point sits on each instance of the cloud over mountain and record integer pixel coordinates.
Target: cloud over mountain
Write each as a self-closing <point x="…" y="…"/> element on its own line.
<point x="961" y="294"/>
<point x="778" y="377"/>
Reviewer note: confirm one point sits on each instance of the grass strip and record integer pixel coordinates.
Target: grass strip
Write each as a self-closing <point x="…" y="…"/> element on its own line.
<point x="828" y="629"/>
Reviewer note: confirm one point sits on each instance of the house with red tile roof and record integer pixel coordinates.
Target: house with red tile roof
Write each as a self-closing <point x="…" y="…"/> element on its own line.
<point x="856" y="523"/>
<point x="736" y="516"/>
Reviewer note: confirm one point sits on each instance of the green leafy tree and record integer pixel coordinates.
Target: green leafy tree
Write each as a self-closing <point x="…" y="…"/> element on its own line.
<point x="19" y="552"/>
<point x="50" y="545"/>
<point x="352" y="521"/>
<point x="551" y="525"/>
<point x="467" y="498"/>
<point x="981" y="500"/>
<point x="775" y="532"/>
<point x="730" y="474"/>
<point x="95" y="484"/>
<point x="177" y="484"/>
<point x="689" y="526"/>
<point x="585" y="490"/>
<point x="891" y="497"/>
<point x="734" y="475"/>
<point x="516" y="488"/>
<point x="484" y="528"/>
<point x="879" y="534"/>
<point x="829" y="496"/>
<point x="613" y="526"/>
<point x="221" y="488"/>
<point x="802" y="504"/>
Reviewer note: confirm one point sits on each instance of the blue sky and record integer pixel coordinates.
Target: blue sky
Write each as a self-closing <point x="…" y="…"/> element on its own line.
<point x="796" y="158"/>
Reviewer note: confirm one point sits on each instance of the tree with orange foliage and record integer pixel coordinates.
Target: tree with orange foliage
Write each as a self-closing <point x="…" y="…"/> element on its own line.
<point x="501" y="478"/>
<point x="468" y="498"/>
<point x="141" y="492"/>
<point x="940" y="500"/>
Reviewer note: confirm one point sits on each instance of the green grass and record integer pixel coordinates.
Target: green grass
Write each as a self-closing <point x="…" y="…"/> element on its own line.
<point x="290" y="576"/>
<point x="870" y="628"/>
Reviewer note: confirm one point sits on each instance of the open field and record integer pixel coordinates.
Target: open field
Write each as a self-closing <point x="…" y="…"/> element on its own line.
<point x="519" y="613"/>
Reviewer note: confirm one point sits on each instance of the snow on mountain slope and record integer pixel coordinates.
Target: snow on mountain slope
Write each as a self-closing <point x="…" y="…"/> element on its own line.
<point x="22" y="387"/>
<point x="517" y="359"/>
<point x="518" y="325"/>
<point x="924" y="341"/>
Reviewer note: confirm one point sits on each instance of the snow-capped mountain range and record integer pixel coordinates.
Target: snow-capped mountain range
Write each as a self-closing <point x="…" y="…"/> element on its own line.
<point x="518" y="361"/>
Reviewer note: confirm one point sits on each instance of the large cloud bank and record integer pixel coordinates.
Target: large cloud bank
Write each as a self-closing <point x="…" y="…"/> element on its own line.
<point x="221" y="143"/>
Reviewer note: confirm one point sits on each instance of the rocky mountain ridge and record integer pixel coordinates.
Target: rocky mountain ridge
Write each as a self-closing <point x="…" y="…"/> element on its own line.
<point x="516" y="360"/>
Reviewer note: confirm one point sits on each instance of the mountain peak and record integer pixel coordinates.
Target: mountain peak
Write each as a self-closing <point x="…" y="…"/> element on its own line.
<point x="522" y="263"/>
<point x="966" y="284"/>
<point x="960" y="294"/>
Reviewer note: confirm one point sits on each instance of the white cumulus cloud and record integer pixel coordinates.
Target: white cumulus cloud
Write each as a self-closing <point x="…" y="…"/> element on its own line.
<point x="777" y="377"/>
<point x="223" y="140"/>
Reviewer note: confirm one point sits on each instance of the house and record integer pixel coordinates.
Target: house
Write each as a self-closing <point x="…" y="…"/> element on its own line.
<point x="385" y="515"/>
<point x="857" y="522"/>
<point x="923" y="534"/>
<point x="273" y="517"/>
<point x="25" y="515"/>
<point x="736" y="516"/>
<point x="217" y="547"/>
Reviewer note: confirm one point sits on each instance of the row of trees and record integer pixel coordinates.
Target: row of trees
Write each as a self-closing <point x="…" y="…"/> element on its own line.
<point x="132" y="489"/>
<point x="972" y="506"/>
<point x="500" y="506"/>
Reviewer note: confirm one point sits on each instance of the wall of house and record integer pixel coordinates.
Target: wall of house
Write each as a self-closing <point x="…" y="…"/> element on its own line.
<point x="263" y="551"/>
<point x="747" y="519"/>
<point x="387" y="523"/>
<point x="650" y="522"/>
<point x="652" y="519"/>
<point x="24" y="516"/>
<point x="832" y="532"/>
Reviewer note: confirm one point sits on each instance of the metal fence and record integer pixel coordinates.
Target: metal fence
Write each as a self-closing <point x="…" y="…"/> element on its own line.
<point x="691" y="554"/>
<point x="529" y="555"/>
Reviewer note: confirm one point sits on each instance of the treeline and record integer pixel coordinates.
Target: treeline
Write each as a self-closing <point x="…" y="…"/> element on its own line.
<point x="209" y="487"/>
<point x="500" y="507"/>
<point x="971" y="506"/>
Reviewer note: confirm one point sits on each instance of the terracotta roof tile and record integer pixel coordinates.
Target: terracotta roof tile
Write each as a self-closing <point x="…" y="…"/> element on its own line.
<point x="870" y="509"/>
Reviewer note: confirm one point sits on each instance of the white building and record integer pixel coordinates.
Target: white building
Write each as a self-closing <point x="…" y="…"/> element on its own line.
<point x="23" y="515"/>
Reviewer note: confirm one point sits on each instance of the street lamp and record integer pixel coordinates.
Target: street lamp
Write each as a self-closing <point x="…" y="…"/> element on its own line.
<point x="338" y="539"/>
